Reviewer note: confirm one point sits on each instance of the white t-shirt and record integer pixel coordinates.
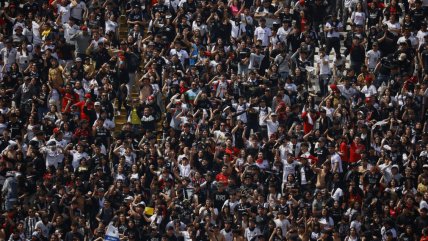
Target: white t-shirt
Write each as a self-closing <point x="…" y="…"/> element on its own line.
<point x="36" y="33"/>
<point x="393" y="26"/>
<point x="8" y="56"/>
<point x="237" y="30"/>
<point x="111" y="26"/>
<point x="334" y="34"/>
<point x="413" y="41"/>
<point x="184" y="170"/>
<point x="44" y="228"/>
<point x="324" y="65"/>
<point x="23" y="58"/>
<point x="288" y="168"/>
<point x="347" y="92"/>
<point x="77" y="11"/>
<point x="53" y="157"/>
<point x="241" y="108"/>
<point x="421" y="37"/>
<point x="255" y="61"/>
<point x="70" y="31"/>
<point x="283" y="224"/>
<point x="373" y="58"/>
<point x="359" y="18"/>
<point x="282" y="34"/>
<point x="65" y="11"/>
<point x="77" y="157"/>
<point x="369" y="91"/>
<point x="272" y="127"/>
<point x="249" y="235"/>
<point x="228" y="236"/>
<point x="182" y="54"/>
<point x="203" y="28"/>
<point x="263" y="34"/>
<point x="336" y="160"/>
<point x="263" y="112"/>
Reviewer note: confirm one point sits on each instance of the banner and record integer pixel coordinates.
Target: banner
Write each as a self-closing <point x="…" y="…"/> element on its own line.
<point x="112" y="233"/>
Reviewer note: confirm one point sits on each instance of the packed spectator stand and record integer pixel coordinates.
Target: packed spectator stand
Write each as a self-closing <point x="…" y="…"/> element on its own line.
<point x="214" y="120"/>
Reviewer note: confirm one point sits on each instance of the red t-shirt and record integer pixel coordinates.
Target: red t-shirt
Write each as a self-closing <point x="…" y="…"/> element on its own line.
<point x="81" y="105"/>
<point x="344" y="149"/>
<point x="233" y="151"/>
<point x="65" y="97"/>
<point x="307" y="125"/>
<point x="353" y="155"/>
<point x="303" y="23"/>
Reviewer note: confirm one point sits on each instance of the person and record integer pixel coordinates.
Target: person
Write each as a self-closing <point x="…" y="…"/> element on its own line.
<point x="10" y="191"/>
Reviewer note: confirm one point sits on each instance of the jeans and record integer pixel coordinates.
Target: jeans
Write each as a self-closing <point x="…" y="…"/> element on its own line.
<point x="9" y="203"/>
<point x="324" y="79"/>
<point x="283" y="75"/>
<point x="381" y="78"/>
<point x="242" y="69"/>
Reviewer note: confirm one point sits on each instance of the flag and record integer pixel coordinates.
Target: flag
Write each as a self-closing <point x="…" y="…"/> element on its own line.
<point x="112" y="233"/>
<point x="149" y="211"/>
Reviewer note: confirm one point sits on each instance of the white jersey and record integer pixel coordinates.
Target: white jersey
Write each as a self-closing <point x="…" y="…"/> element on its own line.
<point x="228" y="236"/>
<point x="421" y="37"/>
<point x="241" y="109"/>
<point x="36" y="33"/>
<point x="372" y="58"/>
<point x="324" y="66"/>
<point x="54" y="156"/>
<point x="64" y="11"/>
<point x="272" y="127"/>
<point x="283" y="224"/>
<point x="8" y="56"/>
<point x="249" y="235"/>
<point x="336" y="160"/>
<point x="263" y="34"/>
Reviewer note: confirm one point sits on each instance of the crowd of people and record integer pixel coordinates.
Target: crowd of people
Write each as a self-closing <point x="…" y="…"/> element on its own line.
<point x="214" y="120"/>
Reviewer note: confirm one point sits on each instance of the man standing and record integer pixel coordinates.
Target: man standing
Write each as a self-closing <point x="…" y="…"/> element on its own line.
<point x="10" y="191"/>
<point x="262" y="33"/>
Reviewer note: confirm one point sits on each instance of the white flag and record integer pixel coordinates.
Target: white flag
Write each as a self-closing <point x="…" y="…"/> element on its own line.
<point x="112" y="233"/>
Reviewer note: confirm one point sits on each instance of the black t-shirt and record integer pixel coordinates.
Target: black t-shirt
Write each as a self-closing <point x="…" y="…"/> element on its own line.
<point x="151" y="237"/>
<point x="219" y="199"/>
<point x="286" y="18"/>
<point x="15" y="128"/>
<point x="244" y="53"/>
<point x="418" y="17"/>
<point x="187" y="138"/>
<point x="136" y="16"/>
<point x="159" y="9"/>
<point x="388" y="45"/>
<point x="189" y="7"/>
<point x="30" y="7"/>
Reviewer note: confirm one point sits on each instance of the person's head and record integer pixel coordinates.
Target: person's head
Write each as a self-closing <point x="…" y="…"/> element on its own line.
<point x="263" y="21"/>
